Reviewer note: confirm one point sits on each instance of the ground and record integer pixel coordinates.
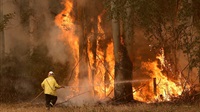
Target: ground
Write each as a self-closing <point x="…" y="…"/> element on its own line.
<point x="133" y="107"/>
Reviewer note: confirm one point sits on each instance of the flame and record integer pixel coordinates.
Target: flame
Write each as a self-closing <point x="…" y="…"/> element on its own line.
<point x="160" y="87"/>
<point x="66" y="23"/>
<point x="104" y="66"/>
<point x="63" y="20"/>
<point x="102" y="89"/>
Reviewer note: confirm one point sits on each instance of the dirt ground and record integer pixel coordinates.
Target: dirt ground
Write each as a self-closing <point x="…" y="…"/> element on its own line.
<point x="133" y="107"/>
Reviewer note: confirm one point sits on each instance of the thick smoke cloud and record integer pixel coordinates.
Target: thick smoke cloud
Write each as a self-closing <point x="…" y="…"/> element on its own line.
<point x="44" y="30"/>
<point x="15" y="37"/>
<point x="56" y="47"/>
<point x="17" y="40"/>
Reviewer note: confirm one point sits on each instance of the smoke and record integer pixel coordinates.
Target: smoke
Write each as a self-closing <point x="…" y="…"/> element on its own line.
<point x="46" y="33"/>
<point x="183" y="69"/>
<point x="42" y="29"/>
<point x="32" y="26"/>
<point x="24" y="86"/>
<point x="56" y="47"/>
<point x="84" y="96"/>
<point x="15" y="37"/>
<point x="82" y="3"/>
<point x="141" y="53"/>
<point x="144" y="52"/>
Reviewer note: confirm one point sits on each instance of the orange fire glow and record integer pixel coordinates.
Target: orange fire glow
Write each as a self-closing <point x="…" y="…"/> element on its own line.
<point x="160" y="87"/>
<point x="65" y="22"/>
<point x="103" y="86"/>
<point x="104" y="65"/>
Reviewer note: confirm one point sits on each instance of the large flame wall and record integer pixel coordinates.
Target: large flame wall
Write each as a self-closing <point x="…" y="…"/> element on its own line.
<point x="158" y="88"/>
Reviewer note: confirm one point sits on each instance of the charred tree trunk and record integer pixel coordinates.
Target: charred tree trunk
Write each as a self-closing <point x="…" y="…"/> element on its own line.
<point x="122" y="91"/>
<point x="154" y="87"/>
<point x="94" y="48"/>
<point x="83" y="55"/>
<point x="106" y="77"/>
<point x="128" y="42"/>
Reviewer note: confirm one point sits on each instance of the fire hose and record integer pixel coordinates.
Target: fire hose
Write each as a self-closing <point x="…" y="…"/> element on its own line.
<point x="60" y="102"/>
<point x="71" y="98"/>
<point x="37" y="96"/>
<point x="79" y="95"/>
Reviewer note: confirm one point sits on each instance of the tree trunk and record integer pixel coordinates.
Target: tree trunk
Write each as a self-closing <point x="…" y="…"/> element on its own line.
<point x="122" y="90"/>
<point x="116" y="40"/>
<point x="175" y="35"/>
<point x="31" y="26"/>
<point x="128" y="40"/>
<point x="2" y="41"/>
<point x="199" y="65"/>
<point x="94" y="48"/>
<point x="83" y="55"/>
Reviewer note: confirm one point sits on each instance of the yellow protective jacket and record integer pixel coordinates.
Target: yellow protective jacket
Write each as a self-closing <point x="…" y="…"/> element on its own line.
<point x="50" y="85"/>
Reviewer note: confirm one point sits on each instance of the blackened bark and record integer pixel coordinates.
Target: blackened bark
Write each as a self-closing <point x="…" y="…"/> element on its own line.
<point x="83" y="55"/>
<point x="123" y="64"/>
<point x="123" y="77"/>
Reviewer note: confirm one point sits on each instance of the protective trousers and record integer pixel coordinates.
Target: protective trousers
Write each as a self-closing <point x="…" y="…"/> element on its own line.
<point x="50" y="100"/>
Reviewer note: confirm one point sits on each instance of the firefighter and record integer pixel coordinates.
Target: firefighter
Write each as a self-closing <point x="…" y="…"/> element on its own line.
<point x="50" y="85"/>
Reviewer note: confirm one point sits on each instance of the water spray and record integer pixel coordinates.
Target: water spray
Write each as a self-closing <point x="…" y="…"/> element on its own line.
<point x="119" y="82"/>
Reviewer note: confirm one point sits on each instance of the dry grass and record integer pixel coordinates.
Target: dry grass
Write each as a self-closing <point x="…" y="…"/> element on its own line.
<point x="135" y="107"/>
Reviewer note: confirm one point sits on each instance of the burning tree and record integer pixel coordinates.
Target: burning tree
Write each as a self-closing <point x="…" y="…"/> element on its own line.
<point x="83" y="33"/>
<point x="169" y="26"/>
<point x="93" y="54"/>
<point x="123" y="65"/>
<point x="92" y="67"/>
<point x="101" y="52"/>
